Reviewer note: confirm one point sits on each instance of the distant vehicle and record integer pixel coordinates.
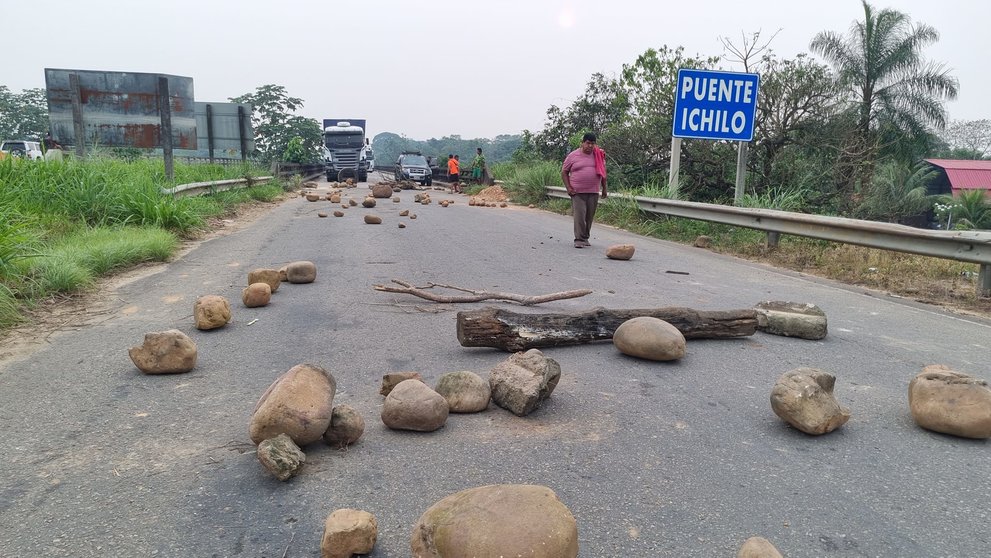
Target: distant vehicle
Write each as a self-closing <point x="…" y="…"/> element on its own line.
<point x="345" y="149"/>
<point x="21" y="148"/>
<point x="412" y="165"/>
<point x="369" y="157"/>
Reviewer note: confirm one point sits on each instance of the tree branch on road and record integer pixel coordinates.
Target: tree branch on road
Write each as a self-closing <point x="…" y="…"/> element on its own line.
<point x="475" y="295"/>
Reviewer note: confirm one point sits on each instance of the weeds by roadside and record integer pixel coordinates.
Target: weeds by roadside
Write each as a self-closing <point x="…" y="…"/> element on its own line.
<point x="925" y="279"/>
<point x="63" y="224"/>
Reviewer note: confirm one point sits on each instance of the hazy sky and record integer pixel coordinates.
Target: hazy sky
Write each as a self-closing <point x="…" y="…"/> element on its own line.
<point x="435" y="68"/>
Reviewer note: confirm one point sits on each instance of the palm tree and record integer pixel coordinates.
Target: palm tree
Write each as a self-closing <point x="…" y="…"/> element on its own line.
<point x="892" y="87"/>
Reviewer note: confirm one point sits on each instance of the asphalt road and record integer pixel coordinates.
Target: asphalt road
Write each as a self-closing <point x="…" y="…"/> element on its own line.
<point x="680" y="459"/>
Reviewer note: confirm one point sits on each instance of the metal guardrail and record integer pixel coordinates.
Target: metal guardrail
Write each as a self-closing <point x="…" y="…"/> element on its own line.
<point x="281" y="169"/>
<point x="964" y="246"/>
<point x="198" y="188"/>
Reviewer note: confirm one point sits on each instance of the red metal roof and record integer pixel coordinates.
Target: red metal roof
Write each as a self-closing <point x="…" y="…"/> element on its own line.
<point x="965" y="174"/>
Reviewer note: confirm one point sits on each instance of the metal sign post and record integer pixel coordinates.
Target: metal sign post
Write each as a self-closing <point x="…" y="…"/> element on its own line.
<point x="717" y="106"/>
<point x="674" y="173"/>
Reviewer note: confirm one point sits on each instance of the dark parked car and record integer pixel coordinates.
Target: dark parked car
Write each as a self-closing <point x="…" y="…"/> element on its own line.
<point x="412" y="165"/>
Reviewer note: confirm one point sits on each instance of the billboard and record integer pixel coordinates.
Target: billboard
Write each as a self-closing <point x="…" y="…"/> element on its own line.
<point x="219" y="128"/>
<point x="118" y="109"/>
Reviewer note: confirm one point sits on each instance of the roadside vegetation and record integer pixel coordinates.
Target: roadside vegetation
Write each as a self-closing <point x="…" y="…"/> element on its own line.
<point x="64" y="224"/>
<point x="844" y="137"/>
<point x="932" y="280"/>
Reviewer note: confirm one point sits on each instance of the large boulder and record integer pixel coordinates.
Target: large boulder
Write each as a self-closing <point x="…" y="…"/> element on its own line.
<point x="497" y="520"/>
<point x="523" y="381"/>
<point x="347" y="532"/>
<point x="791" y="319"/>
<point x="211" y="312"/>
<point x="412" y="405"/>
<point x="298" y="403"/>
<point x="301" y="272"/>
<point x="346" y="427"/>
<point x="620" y="251"/>
<point x="256" y="294"/>
<point x="758" y="547"/>
<point x="392" y="379"/>
<point x="951" y="402"/>
<point x="164" y="352"/>
<point x="381" y="190"/>
<point x="803" y="398"/>
<point x="650" y="338"/>
<point x="264" y="275"/>
<point x="281" y="457"/>
<point x="465" y="391"/>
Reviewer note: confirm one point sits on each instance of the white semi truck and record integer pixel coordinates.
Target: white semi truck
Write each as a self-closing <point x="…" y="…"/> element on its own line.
<point x="346" y="150"/>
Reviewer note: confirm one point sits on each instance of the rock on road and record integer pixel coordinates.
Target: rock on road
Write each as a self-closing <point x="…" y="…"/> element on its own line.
<point x="680" y="459"/>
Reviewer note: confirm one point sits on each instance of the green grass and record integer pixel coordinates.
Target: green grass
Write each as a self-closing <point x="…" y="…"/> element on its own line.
<point x="526" y="183"/>
<point x="64" y="224"/>
<point x="74" y="262"/>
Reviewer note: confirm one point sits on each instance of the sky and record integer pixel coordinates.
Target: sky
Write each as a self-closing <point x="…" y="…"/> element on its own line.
<point x="426" y="69"/>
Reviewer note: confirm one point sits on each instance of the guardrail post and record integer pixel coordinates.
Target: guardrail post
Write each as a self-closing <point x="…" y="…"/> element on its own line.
<point x="771" y="242"/>
<point x="984" y="281"/>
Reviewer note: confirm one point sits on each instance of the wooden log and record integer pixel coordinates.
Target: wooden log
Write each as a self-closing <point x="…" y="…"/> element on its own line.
<point x="512" y="331"/>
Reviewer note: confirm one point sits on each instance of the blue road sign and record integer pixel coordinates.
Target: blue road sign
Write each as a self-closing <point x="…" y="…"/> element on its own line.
<point x="715" y="105"/>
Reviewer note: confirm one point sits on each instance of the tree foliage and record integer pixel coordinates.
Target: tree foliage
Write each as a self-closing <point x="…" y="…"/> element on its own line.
<point x="970" y="139"/>
<point x="23" y="115"/>
<point x="895" y="94"/>
<point x="387" y="147"/>
<point x="275" y="125"/>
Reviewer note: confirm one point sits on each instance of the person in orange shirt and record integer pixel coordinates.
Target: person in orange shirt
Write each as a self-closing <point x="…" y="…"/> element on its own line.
<point x="454" y="173"/>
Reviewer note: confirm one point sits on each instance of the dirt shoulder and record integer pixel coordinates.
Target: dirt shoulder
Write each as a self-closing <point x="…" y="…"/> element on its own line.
<point x="71" y="312"/>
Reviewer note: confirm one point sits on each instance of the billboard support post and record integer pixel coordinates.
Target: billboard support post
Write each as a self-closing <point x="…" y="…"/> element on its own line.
<point x="166" y="130"/>
<point x="209" y="131"/>
<point x="242" y="133"/>
<point x="77" y="115"/>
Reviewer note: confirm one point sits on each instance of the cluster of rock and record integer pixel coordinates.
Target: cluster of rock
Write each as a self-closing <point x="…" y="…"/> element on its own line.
<point x="940" y="399"/>
<point x="492" y="520"/>
<point x="475" y="202"/>
<point x="297" y="410"/>
<point x="519" y="384"/>
<point x="174" y="352"/>
<point x="379" y="190"/>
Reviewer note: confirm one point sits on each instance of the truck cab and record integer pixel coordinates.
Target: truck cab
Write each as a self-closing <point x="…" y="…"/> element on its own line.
<point x="344" y="151"/>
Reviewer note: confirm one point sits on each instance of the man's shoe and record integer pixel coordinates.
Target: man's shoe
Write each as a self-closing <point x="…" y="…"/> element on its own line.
<point x="586" y="244"/>
<point x="579" y="244"/>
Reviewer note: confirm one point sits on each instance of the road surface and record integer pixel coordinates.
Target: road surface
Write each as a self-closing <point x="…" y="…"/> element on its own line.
<point x="681" y="459"/>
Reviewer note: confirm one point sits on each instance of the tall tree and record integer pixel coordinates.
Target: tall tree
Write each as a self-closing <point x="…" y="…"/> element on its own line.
<point x="890" y="85"/>
<point x="795" y="102"/>
<point x="275" y="124"/>
<point x="23" y="115"/>
<point x="971" y="138"/>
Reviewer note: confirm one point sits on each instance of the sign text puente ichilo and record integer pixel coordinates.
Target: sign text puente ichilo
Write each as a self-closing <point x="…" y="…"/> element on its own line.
<point x="715" y="105"/>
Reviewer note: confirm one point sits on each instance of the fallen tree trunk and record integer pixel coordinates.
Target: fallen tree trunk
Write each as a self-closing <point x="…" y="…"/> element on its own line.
<point x="511" y="331"/>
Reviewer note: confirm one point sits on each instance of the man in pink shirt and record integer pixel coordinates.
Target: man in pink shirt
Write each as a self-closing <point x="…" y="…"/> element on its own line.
<point x="584" y="175"/>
